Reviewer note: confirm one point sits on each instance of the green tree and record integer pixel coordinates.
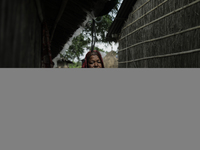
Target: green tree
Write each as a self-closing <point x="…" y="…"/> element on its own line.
<point x="75" y="65"/>
<point x="83" y="41"/>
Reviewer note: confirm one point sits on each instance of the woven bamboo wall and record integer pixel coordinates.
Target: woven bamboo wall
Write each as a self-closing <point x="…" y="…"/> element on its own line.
<point x="20" y="34"/>
<point x="161" y="34"/>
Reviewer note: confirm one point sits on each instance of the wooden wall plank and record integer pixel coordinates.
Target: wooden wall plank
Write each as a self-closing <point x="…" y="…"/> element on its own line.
<point x="20" y="34"/>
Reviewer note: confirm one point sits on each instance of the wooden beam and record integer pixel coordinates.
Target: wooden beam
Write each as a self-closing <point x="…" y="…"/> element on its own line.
<point x="61" y="11"/>
<point x="38" y="4"/>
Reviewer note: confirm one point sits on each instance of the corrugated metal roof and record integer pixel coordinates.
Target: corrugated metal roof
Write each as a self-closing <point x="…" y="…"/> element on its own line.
<point x="122" y="16"/>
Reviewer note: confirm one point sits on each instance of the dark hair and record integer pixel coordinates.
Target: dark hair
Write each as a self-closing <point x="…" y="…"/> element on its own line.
<point x="88" y="55"/>
<point x="93" y="53"/>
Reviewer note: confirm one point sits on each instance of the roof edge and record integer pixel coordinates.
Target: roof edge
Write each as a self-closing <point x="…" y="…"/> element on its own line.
<point x="122" y="16"/>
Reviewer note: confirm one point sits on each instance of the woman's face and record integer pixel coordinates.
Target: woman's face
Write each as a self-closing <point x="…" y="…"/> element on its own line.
<point x="94" y="62"/>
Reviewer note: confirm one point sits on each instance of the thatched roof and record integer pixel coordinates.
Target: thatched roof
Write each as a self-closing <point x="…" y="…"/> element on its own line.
<point x="110" y="60"/>
<point x="64" y="17"/>
<point x="122" y="15"/>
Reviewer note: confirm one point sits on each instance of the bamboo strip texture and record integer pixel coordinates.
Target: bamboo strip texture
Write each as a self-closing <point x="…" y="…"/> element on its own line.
<point x="163" y="37"/>
<point x="163" y="17"/>
<point x="145" y="13"/>
<point x="140" y="7"/>
<point x="162" y="56"/>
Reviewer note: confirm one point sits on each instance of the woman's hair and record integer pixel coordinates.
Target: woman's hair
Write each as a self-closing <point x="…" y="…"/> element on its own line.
<point x="88" y="55"/>
<point x="92" y="53"/>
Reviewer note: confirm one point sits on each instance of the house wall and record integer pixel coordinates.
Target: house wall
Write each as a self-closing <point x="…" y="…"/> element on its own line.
<point x="20" y="34"/>
<point x="161" y="33"/>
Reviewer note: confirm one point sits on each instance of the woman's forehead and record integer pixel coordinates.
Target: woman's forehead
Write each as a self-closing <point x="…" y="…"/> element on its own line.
<point x="94" y="57"/>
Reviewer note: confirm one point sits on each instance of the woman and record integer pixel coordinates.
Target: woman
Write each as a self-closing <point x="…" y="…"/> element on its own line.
<point x="93" y="60"/>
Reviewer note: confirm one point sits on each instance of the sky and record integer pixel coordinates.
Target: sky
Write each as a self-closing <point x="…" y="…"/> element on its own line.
<point x="108" y="48"/>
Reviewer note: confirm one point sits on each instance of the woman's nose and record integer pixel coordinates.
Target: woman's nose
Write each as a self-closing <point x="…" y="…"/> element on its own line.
<point x="95" y="64"/>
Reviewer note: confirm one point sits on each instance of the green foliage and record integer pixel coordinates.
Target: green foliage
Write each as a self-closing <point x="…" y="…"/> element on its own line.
<point x="101" y="29"/>
<point x="83" y="41"/>
<point x="75" y="65"/>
